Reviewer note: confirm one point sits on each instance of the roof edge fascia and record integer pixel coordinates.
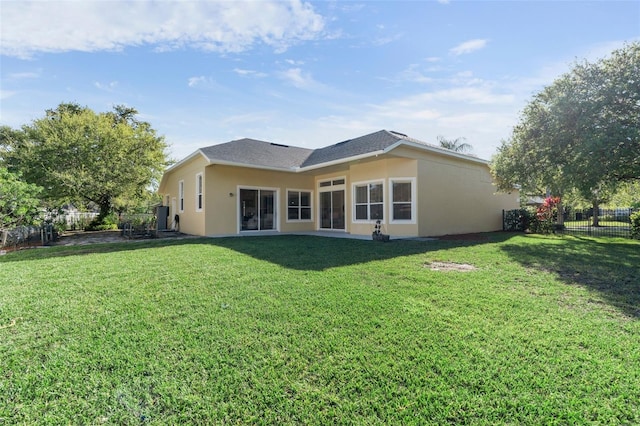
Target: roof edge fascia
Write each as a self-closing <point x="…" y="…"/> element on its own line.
<point x="186" y="159"/>
<point x="437" y="150"/>
<point x="178" y="164"/>
<point x="340" y="161"/>
<point x="252" y="166"/>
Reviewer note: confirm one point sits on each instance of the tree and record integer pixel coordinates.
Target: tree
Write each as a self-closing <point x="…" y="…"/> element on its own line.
<point x="81" y="156"/>
<point x="580" y="133"/>
<point x="457" y="144"/>
<point x="19" y="201"/>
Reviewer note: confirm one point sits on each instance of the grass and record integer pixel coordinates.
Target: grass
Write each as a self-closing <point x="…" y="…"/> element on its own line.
<point x="310" y="330"/>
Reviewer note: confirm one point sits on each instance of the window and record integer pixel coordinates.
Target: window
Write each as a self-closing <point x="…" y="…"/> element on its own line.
<point x="402" y="200"/>
<point x="181" y="194"/>
<point x="199" y="192"/>
<point x="298" y="205"/>
<point x="369" y="201"/>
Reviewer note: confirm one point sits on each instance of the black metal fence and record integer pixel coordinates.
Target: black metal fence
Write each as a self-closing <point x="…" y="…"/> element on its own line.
<point x="610" y="222"/>
<point x="607" y="222"/>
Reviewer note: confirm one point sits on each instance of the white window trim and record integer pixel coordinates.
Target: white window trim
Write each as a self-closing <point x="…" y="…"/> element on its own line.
<point x="286" y="213"/>
<point x="354" y="204"/>
<point x="201" y="177"/>
<point x="331" y="187"/>
<point x="414" y="200"/>
<point x="181" y="196"/>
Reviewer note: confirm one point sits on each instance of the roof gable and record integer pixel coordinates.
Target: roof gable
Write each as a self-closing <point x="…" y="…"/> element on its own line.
<point x="378" y="141"/>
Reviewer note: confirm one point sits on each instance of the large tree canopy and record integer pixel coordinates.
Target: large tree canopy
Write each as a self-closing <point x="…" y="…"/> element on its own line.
<point x="581" y="133"/>
<point x="78" y="155"/>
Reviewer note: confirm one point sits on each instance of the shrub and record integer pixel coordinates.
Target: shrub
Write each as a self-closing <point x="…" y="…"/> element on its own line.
<point x="635" y="225"/>
<point x="105" y="223"/>
<point x="543" y="221"/>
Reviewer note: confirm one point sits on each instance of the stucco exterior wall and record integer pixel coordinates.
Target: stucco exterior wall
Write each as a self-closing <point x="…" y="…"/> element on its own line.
<point x="457" y="197"/>
<point x="222" y="205"/>
<point x="381" y="170"/>
<point x="450" y="195"/>
<point x="191" y="221"/>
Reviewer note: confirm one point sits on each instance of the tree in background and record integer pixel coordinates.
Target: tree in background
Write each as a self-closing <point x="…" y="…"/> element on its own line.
<point x="80" y="156"/>
<point x="456" y="145"/>
<point x="19" y="201"/>
<point x="581" y="133"/>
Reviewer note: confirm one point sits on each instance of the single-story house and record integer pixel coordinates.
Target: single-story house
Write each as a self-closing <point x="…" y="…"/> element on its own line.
<point x="248" y="186"/>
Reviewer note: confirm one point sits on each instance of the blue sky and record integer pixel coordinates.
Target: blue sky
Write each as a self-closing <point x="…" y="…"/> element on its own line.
<point x="301" y="73"/>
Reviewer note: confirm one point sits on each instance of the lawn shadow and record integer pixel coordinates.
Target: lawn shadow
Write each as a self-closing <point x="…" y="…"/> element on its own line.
<point x="611" y="268"/>
<point x="300" y="252"/>
<point x="316" y="253"/>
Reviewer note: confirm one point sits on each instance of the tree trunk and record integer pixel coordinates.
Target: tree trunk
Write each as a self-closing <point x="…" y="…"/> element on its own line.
<point x="560" y="218"/>
<point x="596" y="211"/>
<point x="105" y="209"/>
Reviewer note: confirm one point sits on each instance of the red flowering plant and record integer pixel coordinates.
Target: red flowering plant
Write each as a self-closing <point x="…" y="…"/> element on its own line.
<point x="546" y="216"/>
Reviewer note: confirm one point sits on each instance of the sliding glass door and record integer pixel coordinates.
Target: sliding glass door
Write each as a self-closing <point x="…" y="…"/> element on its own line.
<point x="257" y="209"/>
<point x="332" y="209"/>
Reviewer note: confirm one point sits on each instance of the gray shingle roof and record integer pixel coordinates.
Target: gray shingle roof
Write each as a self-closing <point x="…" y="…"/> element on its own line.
<point x="270" y="155"/>
<point x="350" y="148"/>
<point x="257" y="153"/>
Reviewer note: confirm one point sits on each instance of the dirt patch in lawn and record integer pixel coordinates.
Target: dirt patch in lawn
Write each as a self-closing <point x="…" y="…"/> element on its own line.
<point x="450" y="266"/>
<point x="79" y="238"/>
<point x="75" y="238"/>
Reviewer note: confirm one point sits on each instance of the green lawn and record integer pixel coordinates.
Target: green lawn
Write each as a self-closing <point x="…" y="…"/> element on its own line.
<point x="311" y="330"/>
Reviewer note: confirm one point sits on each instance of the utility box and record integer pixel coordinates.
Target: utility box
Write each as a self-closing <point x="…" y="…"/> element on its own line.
<point x="162" y="213"/>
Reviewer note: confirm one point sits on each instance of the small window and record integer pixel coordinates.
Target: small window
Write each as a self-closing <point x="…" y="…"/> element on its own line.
<point x="181" y="194"/>
<point x="369" y="201"/>
<point x="298" y="205"/>
<point x="403" y="200"/>
<point x="199" y="192"/>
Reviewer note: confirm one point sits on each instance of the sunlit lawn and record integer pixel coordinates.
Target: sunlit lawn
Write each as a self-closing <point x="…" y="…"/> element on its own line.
<point x="311" y="330"/>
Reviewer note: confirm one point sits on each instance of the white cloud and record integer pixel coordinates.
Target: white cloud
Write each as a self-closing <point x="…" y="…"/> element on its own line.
<point x="24" y="75"/>
<point x="109" y="87"/>
<point x="6" y="94"/>
<point x="203" y="82"/>
<point x="249" y="73"/>
<point x="29" y="27"/>
<point x="468" y="46"/>
<point x="302" y="80"/>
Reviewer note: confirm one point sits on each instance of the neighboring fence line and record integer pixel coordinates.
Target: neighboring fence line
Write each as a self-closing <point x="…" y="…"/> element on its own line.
<point x="26" y="236"/>
<point x="612" y="222"/>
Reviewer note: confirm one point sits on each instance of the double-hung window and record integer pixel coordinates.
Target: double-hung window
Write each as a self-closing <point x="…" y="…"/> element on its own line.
<point x="369" y="201"/>
<point x="402" y="200"/>
<point x="199" y="192"/>
<point x="181" y="195"/>
<point x="298" y="205"/>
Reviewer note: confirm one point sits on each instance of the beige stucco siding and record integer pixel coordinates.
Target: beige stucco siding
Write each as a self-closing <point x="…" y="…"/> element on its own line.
<point x="457" y="196"/>
<point x="383" y="170"/>
<point x="223" y="208"/>
<point x="191" y="221"/>
<point x="449" y="195"/>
